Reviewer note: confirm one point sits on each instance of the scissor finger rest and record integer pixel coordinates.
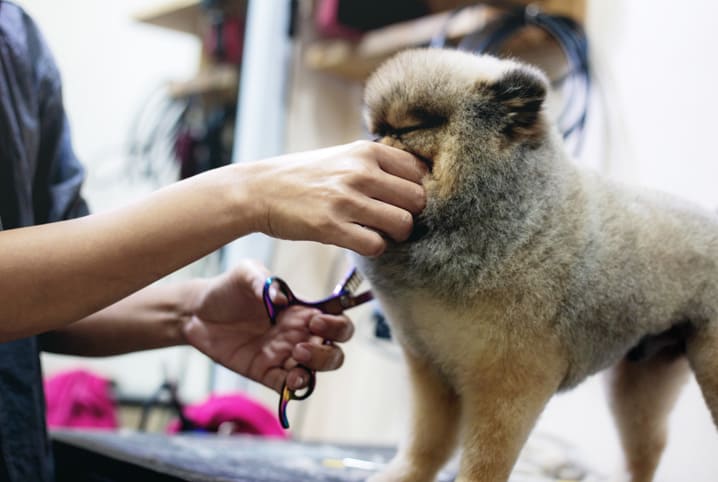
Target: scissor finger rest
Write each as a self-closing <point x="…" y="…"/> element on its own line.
<point x="283" y="288"/>
<point x="340" y="300"/>
<point x="288" y="395"/>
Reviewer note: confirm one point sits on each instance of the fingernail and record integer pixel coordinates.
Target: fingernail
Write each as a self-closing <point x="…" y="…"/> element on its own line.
<point x="301" y="354"/>
<point x="299" y="382"/>
<point x="336" y="359"/>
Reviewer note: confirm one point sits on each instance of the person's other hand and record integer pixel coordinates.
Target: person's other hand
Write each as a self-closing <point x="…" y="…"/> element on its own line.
<point x="230" y="325"/>
<point x="350" y="195"/>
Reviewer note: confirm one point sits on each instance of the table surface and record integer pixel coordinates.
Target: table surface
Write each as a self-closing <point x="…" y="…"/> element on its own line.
<point x="212" y="458"/>
<point x="128" y="455"/>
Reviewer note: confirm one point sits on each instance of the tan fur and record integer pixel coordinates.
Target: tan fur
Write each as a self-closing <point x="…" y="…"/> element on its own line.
<point x="642" y="396"/>
<point x="526" y="274"/>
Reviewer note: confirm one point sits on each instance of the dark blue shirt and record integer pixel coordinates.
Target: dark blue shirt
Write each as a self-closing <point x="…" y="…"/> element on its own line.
<point x="40" y="180"/>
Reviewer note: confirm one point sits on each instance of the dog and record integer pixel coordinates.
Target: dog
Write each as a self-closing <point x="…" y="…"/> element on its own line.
<point x="525" y="273"/>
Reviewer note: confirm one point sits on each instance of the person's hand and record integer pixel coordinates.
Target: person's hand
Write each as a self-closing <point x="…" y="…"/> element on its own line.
<point x="230" y="325"/>
<point x="350" y="195"/>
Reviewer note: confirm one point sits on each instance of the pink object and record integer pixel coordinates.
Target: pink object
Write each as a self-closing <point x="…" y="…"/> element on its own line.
<point x="327" y="22"/>
<point x="235" y="413"/>
<point x="79" y="398"/>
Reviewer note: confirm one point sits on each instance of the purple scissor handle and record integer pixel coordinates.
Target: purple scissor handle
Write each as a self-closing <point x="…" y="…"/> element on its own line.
<point x="342" y="298"/>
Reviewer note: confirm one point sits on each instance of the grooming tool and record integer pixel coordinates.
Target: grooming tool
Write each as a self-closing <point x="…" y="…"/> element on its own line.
<point x="342" y="298"/>
<point x="352" y="463"/>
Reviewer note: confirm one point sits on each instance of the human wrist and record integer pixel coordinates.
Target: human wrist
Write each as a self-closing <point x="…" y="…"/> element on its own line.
<point x="247" y="196"/>
<point x="230" y="200"/>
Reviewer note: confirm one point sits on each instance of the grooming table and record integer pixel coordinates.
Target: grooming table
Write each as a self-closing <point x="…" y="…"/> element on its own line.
<point x="149" y="457"/>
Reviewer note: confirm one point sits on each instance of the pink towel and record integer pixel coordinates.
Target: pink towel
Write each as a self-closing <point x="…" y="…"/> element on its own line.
<point x="79" y="398"/>
<point x="240" y="412"/>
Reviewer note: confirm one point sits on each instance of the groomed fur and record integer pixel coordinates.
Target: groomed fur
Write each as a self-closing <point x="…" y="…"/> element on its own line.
<point x="526" y="274"/>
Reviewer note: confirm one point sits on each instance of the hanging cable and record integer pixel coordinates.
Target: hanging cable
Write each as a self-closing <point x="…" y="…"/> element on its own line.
<point x="570" y="37"/>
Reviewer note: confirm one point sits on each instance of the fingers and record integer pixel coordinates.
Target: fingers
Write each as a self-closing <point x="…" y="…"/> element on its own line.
<point x="318" y="357"/>
<point x="388" y="196"/>
<point x="297" y="378"/>
<point x="360" y="239"/>
<point x="312" y="353"/>
<point x="398" y="180"/>
<point x="397" y="192"/>
<point x="255" y="273"/>
<point x="330" y="327"/>
<point x="396" y="223"/>
<point x="274" y="378"/>
<point x="399" y="163"/>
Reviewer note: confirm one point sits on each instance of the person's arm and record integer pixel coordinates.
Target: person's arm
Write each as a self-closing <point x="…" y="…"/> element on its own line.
<point x="150" y="318"/>
<point x="224" y="317"/>
<point x="54" y="274"/>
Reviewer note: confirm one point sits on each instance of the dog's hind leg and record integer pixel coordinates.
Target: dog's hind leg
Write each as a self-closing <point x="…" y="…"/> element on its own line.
<point x="702" y="350"/>
<point x="642" y="394"/>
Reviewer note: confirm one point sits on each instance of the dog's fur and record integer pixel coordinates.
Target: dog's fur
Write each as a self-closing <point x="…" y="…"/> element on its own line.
<point x="525" y="274"/>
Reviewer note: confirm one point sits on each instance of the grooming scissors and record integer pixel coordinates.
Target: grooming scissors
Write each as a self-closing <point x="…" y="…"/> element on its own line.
<point x="342" y="298"/>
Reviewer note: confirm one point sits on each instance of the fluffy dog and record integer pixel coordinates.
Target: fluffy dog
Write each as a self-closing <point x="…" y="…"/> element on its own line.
<point x="525" y="274"/>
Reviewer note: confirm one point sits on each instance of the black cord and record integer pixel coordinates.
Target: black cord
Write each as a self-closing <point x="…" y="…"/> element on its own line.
<point x="439" y="40"/>
<point x="171" y="389"/>
<point x="570" y="37"/>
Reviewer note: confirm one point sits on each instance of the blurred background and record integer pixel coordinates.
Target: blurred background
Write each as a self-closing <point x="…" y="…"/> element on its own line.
<point x="158" y="90"/>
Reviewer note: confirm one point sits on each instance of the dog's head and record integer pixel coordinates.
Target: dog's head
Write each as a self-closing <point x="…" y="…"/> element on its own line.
<point x="456" y="110"/>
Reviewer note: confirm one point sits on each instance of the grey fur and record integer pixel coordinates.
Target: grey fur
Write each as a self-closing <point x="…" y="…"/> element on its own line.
<point x="601" y="264"/>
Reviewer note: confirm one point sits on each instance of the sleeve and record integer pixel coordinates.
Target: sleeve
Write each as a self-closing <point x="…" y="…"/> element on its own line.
<point x="59" y="174"/>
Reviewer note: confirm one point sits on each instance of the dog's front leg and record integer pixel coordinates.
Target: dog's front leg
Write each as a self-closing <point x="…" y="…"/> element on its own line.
<point x="500" y="404"/>
<point x="432" y="435"/>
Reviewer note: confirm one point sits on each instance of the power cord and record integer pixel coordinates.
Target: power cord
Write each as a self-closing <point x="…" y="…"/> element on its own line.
<point x="570" y="37"/>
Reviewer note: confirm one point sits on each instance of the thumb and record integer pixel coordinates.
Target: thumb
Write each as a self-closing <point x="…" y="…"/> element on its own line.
<point x="253" y="274"/>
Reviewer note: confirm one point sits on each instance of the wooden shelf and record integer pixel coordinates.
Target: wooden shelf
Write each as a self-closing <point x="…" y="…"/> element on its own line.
<point x="221" y="80"/>
<point x="356" y="60"/>
<point x="217" y="80"/>
<point x="183" y="15"/>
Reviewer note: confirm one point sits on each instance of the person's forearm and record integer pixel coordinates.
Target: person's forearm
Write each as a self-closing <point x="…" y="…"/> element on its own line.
<point x="351" y="196"/>
<point x="54" y="274"/>
<point x="151" y="318"/>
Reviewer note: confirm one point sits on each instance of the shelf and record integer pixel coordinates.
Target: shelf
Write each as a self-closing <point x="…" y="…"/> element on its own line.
<point x="356" y="60"/>
<point x="183" y="15"/>
<point x="189" y="16"/>
<point x="221" y="80"/>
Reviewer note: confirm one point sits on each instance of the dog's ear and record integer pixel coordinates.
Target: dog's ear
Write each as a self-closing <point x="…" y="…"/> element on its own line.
<point x="520" y="94"/>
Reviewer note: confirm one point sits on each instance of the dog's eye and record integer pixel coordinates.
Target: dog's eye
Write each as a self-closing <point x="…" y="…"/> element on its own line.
<point x="400" y="131"/>
<point x="424" y="121"/>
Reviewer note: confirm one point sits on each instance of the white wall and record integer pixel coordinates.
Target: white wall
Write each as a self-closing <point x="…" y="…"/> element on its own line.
<point x="110" y="64"/>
